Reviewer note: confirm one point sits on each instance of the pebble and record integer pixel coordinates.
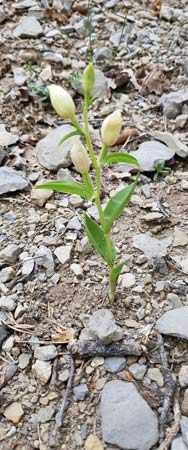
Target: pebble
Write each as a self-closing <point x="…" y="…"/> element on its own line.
<point x="45" y="259"/>
<point x="40" y="196"/>
<point x="80" y="392"/>
<point x="64" y="375"/>
<point x="28" y="27"/>
<point x="14" y="412"/>
<point x="183" y="377"/>
<point x="45" y="353"/>
<point x="7" y="303"/>
<point x="173" y="300"/>
<point x="155" y="375"/>
<point x="77" y="269"/>
<point x="138" y="371"/>
<point x="24" y="360"/>
<point x="63" y="253"/>
<point x="8" y="344"/>
<point x="42" y="370"/>
<point x="103" y="328"/>
<point x="20" y="76"/>
<point x="9" y="254"/>
<point x="127" y="280"/>
<point x="46" y="149"/>
<point x="6" y="274"/>
<point x="184" y="405"/>
<point x="93" y="443"/>
<point x="174" y="323"/>
<point x="153" y="217"/>
<point x="115" y="364"/>
<point x="7" y="138"/>
<point x="127" y="420"/>
<point x="75" y="200"/>
<point x="74" y="224"/>
<point x="45" y="414"/>
<point x="181" y="121"/>
<point x="11" y="180"/>
<point x="180" y="238"/>
<point x="184" y="185"/>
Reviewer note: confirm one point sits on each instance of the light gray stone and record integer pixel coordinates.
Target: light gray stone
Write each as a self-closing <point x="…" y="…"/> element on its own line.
<point x="11" y="180"/>
<point x="174" y="323"/>
<point x="100" y="88"/>
<point x="150" y="153"/>
<point x="6" y="274"/>
<point x="45" y="259"/>
<point x="183" y="377"/>
<point x="172" y="103"/>
<point x="42" y="370"/>
<point x="178" y="444"/>
<point x="151" y="247"/>
<point x="74" y="224"/>
<point x="138" y="371"/>
<point x="45" y="353"/>
<point x="80" y="392"/>
<point x="127" y="280"/>
<point x="51" y="157"/>
<point x="103" y="328"/>
<point x="24" y="360"/>
<point x="63" y="253"/>
<point x="127" y="420"/>
<point x="7" y="138"/>
<point x="28" y="27"/>
<point x="20" y="76"/>
<point x="155" y="375"/>
<point x="115" y="364"/>
<point x="104" y="54"/>
<point x="45" y="414"/>
<point x="184" y="429"/>
<point x="173" y="300"/>
<point x="7" y="303"/>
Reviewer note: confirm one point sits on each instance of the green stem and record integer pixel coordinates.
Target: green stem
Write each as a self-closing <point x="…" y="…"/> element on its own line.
<point x="103" y="153"/>
<point x="88" y="182"/>
<point x="77" y="125"/>
<point x="112" y="290"/>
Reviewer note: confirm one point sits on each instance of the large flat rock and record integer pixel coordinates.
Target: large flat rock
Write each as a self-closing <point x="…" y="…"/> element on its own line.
<point x="11" y="180"/>
<point x="127" y="419"/>
<point x="49" y="155"/>
<point x="150" y="246"/>
<point x="174" y="323"/>
<point x="151" y="153"/>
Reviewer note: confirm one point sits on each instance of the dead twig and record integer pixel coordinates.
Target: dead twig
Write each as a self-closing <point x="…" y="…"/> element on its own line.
<point x="59" y="417"/>
<point x="86" y="349"/>
<point x="169" y="384"/>
<point x="175" y="427"/>
<point x="54" y="372"/>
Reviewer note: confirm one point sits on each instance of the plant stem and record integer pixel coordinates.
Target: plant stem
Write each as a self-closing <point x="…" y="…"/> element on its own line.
<point x="88" y="182"/>
<point x="103" y="153"/>
<point x="112" y="290"/>
<point x="77" y="125"/>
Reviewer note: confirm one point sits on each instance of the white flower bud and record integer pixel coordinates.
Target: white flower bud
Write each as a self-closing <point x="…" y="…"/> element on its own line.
<point x="88" y="80"/>
<point x="80" y="157"/>
<point x="111" y="128"/>
<point x="61" y="101"/>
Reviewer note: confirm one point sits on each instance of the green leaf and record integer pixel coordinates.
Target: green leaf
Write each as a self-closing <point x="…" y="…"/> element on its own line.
<point x="68" y="136"/>
<point x="97" y="238"/>
<point x="120" y="157"/>
<point x="68" y="187"/>
<point x="117" y="204"/>
<point x="115" y="271"/>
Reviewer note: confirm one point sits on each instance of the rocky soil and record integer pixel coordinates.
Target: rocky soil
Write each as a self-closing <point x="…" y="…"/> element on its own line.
<point x="53" y="287"/>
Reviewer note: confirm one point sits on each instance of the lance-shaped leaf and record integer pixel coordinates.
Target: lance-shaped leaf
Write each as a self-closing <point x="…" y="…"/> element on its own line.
<point x="68" y="136"/>
<point x="116" y="205"/>
<point x="115" y="271"/>
<point x="120" y="157"/>
<point x="68" y="187"/>
<point x="97" y="238"/>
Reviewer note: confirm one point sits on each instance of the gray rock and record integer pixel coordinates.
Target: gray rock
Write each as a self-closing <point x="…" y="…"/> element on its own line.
<point x="6" y="274"/>
<point x="7" y="138"/>
<point x="138" y="371"/>
<point x="7" y="303"/>
<point x="2" y="15"/>
<point x="103" y="328"/>
<point x="9" y="254"/>
<point x="127" y="420"/>
<point x="24" y="360"/>
<point x="74" y="224"/>
<point x="172" y="103"/>
<point x="42" y="370"/>
<point x="151" y="247"/>
<point x="115" y="364"/>
<point x="45" y="414"/>
<point x="119" y="37"/>
<point x="183" y="377"/>
<point x="174" y="323"/>
<point x="104" y="54"/>
<point x="45" y="353"/>
<point x="45" y="259"/>
<point x="178" y="444"/>
<point x="80" y="392"/>
<point x="28" y="27"/>
<point x="155" y="375"/>
<point x="166" y="12"/>
<point x="20" y="76"/>
<point x="2" y="155"/>
<point x="150" y="153"/>
<point x="181" y="120"/>
<point x="184" y="429"/>
<point x="100" y="88"/>
<point x="51" y="157"/>
<point x="10" y="180"/>
<point x="173" y="300"/>
<point x="63" y="253"/>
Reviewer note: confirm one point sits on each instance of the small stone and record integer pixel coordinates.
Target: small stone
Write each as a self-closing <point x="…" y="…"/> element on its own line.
<point x="115" y="364"/>
<point x="28" y="266"/>
<point x="11" y="180"/>
<point x="138" y="371"/>
<point x="104" y="54"/>
<point x="45" y="353"/>
<point x="180" y="238"/>
<point x="9" y="254"/>
<point x="74" y="224"/>
<point x="77" y="270"/>
<point x="40" y="196"/>
<point x="24" y="360"/>
<point x="184" y="429"/>
<point x="183" y="377"/>
<point x="85" y="245"/>
<point x="80" y="392"/>
<point x="64" y="375"/>
<point x="46" y="73"/>
<point x="14" y="412"/>
<point x="184" y="185"/>
<point x="155" y="375"/>
<point x="20" y="76"/>
<point x="63" y="253"/>
<point x="153" y="217"/>
<point x="146" y="189"/>
<point x="174" y="323"/>
<point x="151" y="247"/>
<point x="173" y="300"/>
<point x="182" y="120"/>
<point x="178" y="444"/>
<point x="127" y="280"/>
<point x="7" y="138"/>
<point x="97" y="361"/>
<point x="28" y="27"/>
<point x="47" y="153"/>
<point x="45" y="259"/>
<point x="7" y="303"/>
<point x="100" y="383"/>
<point x="60" y="224"/>
<point x="93" y="443"/>
<point x="166" y="12"/>
<point x="42" y="370"/>
<point x="8" y="344"/>
<point x="103" y="328"/>
<point x="75" y="200"/>
<point x="127" y="420"/>
<point x="45" y="414"/>
<point x="184" y="405"/>
<point x="6" y="274"/>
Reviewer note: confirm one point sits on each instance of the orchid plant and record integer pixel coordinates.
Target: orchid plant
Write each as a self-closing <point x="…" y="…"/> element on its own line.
<point x="99" y="234"/>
